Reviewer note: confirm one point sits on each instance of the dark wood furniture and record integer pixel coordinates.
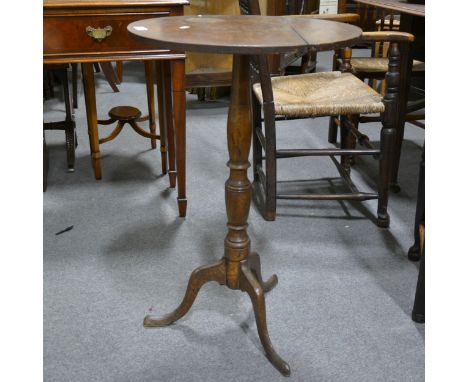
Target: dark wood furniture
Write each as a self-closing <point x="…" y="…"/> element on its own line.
<point x="111" y="75"/>
<point x="131" y="115"/>
<point x="61" y="73"/>
<point x="372" y="69"/>
<point x="308" y="58"/>
<point x="412" y="21"/>
<point x="88" y="31"/>
<point x="215" y="70"/>
<point x="414" y="253"/>
<point x="417" y="250"/>
<point x="401" y="6"/>
<point x="282" y="63"/>
<point x="418" y="314"/>
<point x="242" y="36"/>
<point x="293" y="97"/>
<point x="48" y="85"/>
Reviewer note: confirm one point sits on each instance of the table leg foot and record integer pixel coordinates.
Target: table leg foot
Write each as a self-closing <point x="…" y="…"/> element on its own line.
<point x="199" y="277"/>
<point x="383" y="220"/>
<point x="414" y="253"/>
<point x="96" y="158"/>
<point x="182" y="203"/>
<point x="253" y="261"/>
<point x="172" y="178"/>
<point x="249" y="283"/>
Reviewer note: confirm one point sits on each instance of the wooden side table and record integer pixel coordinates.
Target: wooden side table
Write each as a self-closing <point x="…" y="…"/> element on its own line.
<point x="241" y="36"/>
<point x="86" y="31"/>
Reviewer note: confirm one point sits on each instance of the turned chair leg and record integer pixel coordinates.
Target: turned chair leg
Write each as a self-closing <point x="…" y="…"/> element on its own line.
<point x="388" y="134"/>
<point x="332" y="130"/>
<point x="70" y="143"/>
<point x="387" y="138"/>
<point x="418" y="313"/>
<point x="344" y="143"/>
<point x="332" y="127"/>
<point x="75" y="84"/>
<point x="69" y="125"/>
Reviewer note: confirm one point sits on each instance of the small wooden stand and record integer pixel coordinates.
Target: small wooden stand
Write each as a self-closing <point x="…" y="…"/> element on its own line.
<point x="239" y="268"/>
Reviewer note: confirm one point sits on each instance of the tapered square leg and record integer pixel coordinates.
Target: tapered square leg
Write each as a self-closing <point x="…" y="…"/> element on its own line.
<point x="149" y="78"/>
<point x="91" y="116"/>
<point x="178" y="95"/>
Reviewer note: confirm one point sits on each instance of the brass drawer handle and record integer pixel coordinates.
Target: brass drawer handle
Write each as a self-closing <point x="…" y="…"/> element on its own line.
<point x="99" y="34"/>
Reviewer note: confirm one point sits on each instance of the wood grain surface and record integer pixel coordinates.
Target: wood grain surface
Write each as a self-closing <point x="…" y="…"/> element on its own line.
<point x="244" y="35"/>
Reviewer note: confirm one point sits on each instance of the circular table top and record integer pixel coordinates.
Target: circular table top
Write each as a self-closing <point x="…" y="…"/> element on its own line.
<point x="244" y="34"/>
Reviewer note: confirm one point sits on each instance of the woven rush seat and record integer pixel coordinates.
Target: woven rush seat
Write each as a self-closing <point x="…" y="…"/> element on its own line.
<point x="322" y="94"/>
<point x="379" y="65"/>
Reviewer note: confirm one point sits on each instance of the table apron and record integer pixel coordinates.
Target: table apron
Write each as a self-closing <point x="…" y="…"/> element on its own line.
<point x="112" y="56"/>
<point x="66" y="40"/>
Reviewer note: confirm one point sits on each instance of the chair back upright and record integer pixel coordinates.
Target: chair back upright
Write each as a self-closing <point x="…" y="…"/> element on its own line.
<point x="259" y="70"/>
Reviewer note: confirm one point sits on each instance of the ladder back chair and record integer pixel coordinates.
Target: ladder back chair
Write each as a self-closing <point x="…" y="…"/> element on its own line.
<point x="61" y="72"/>
<point x="317" y="95"/>
<point x="372" y="69"/>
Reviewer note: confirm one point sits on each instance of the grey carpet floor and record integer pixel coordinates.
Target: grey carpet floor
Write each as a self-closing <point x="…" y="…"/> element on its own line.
<point x="341" y="310"/>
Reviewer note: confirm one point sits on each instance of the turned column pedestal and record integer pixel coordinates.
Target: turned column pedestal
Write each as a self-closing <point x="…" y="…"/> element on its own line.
<point x="239" y="268"/>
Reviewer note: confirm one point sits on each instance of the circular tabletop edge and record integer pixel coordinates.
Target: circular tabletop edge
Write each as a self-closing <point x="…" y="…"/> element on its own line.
<point x="239" y="49"/>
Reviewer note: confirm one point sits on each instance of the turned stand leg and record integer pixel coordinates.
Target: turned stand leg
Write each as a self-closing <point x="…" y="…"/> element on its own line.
<point x="161" y="115"/>
<point x="239" y="268"/>
<point x="91" y="116"/>
<point x="406" y="64"/>
<point x="149" y="77"/>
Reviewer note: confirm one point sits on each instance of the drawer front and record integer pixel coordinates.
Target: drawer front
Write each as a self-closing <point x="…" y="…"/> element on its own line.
<point x="65" y="36"/>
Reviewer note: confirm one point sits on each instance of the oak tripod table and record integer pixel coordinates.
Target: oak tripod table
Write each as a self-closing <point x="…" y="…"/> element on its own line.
<point x="241" y="36"/>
